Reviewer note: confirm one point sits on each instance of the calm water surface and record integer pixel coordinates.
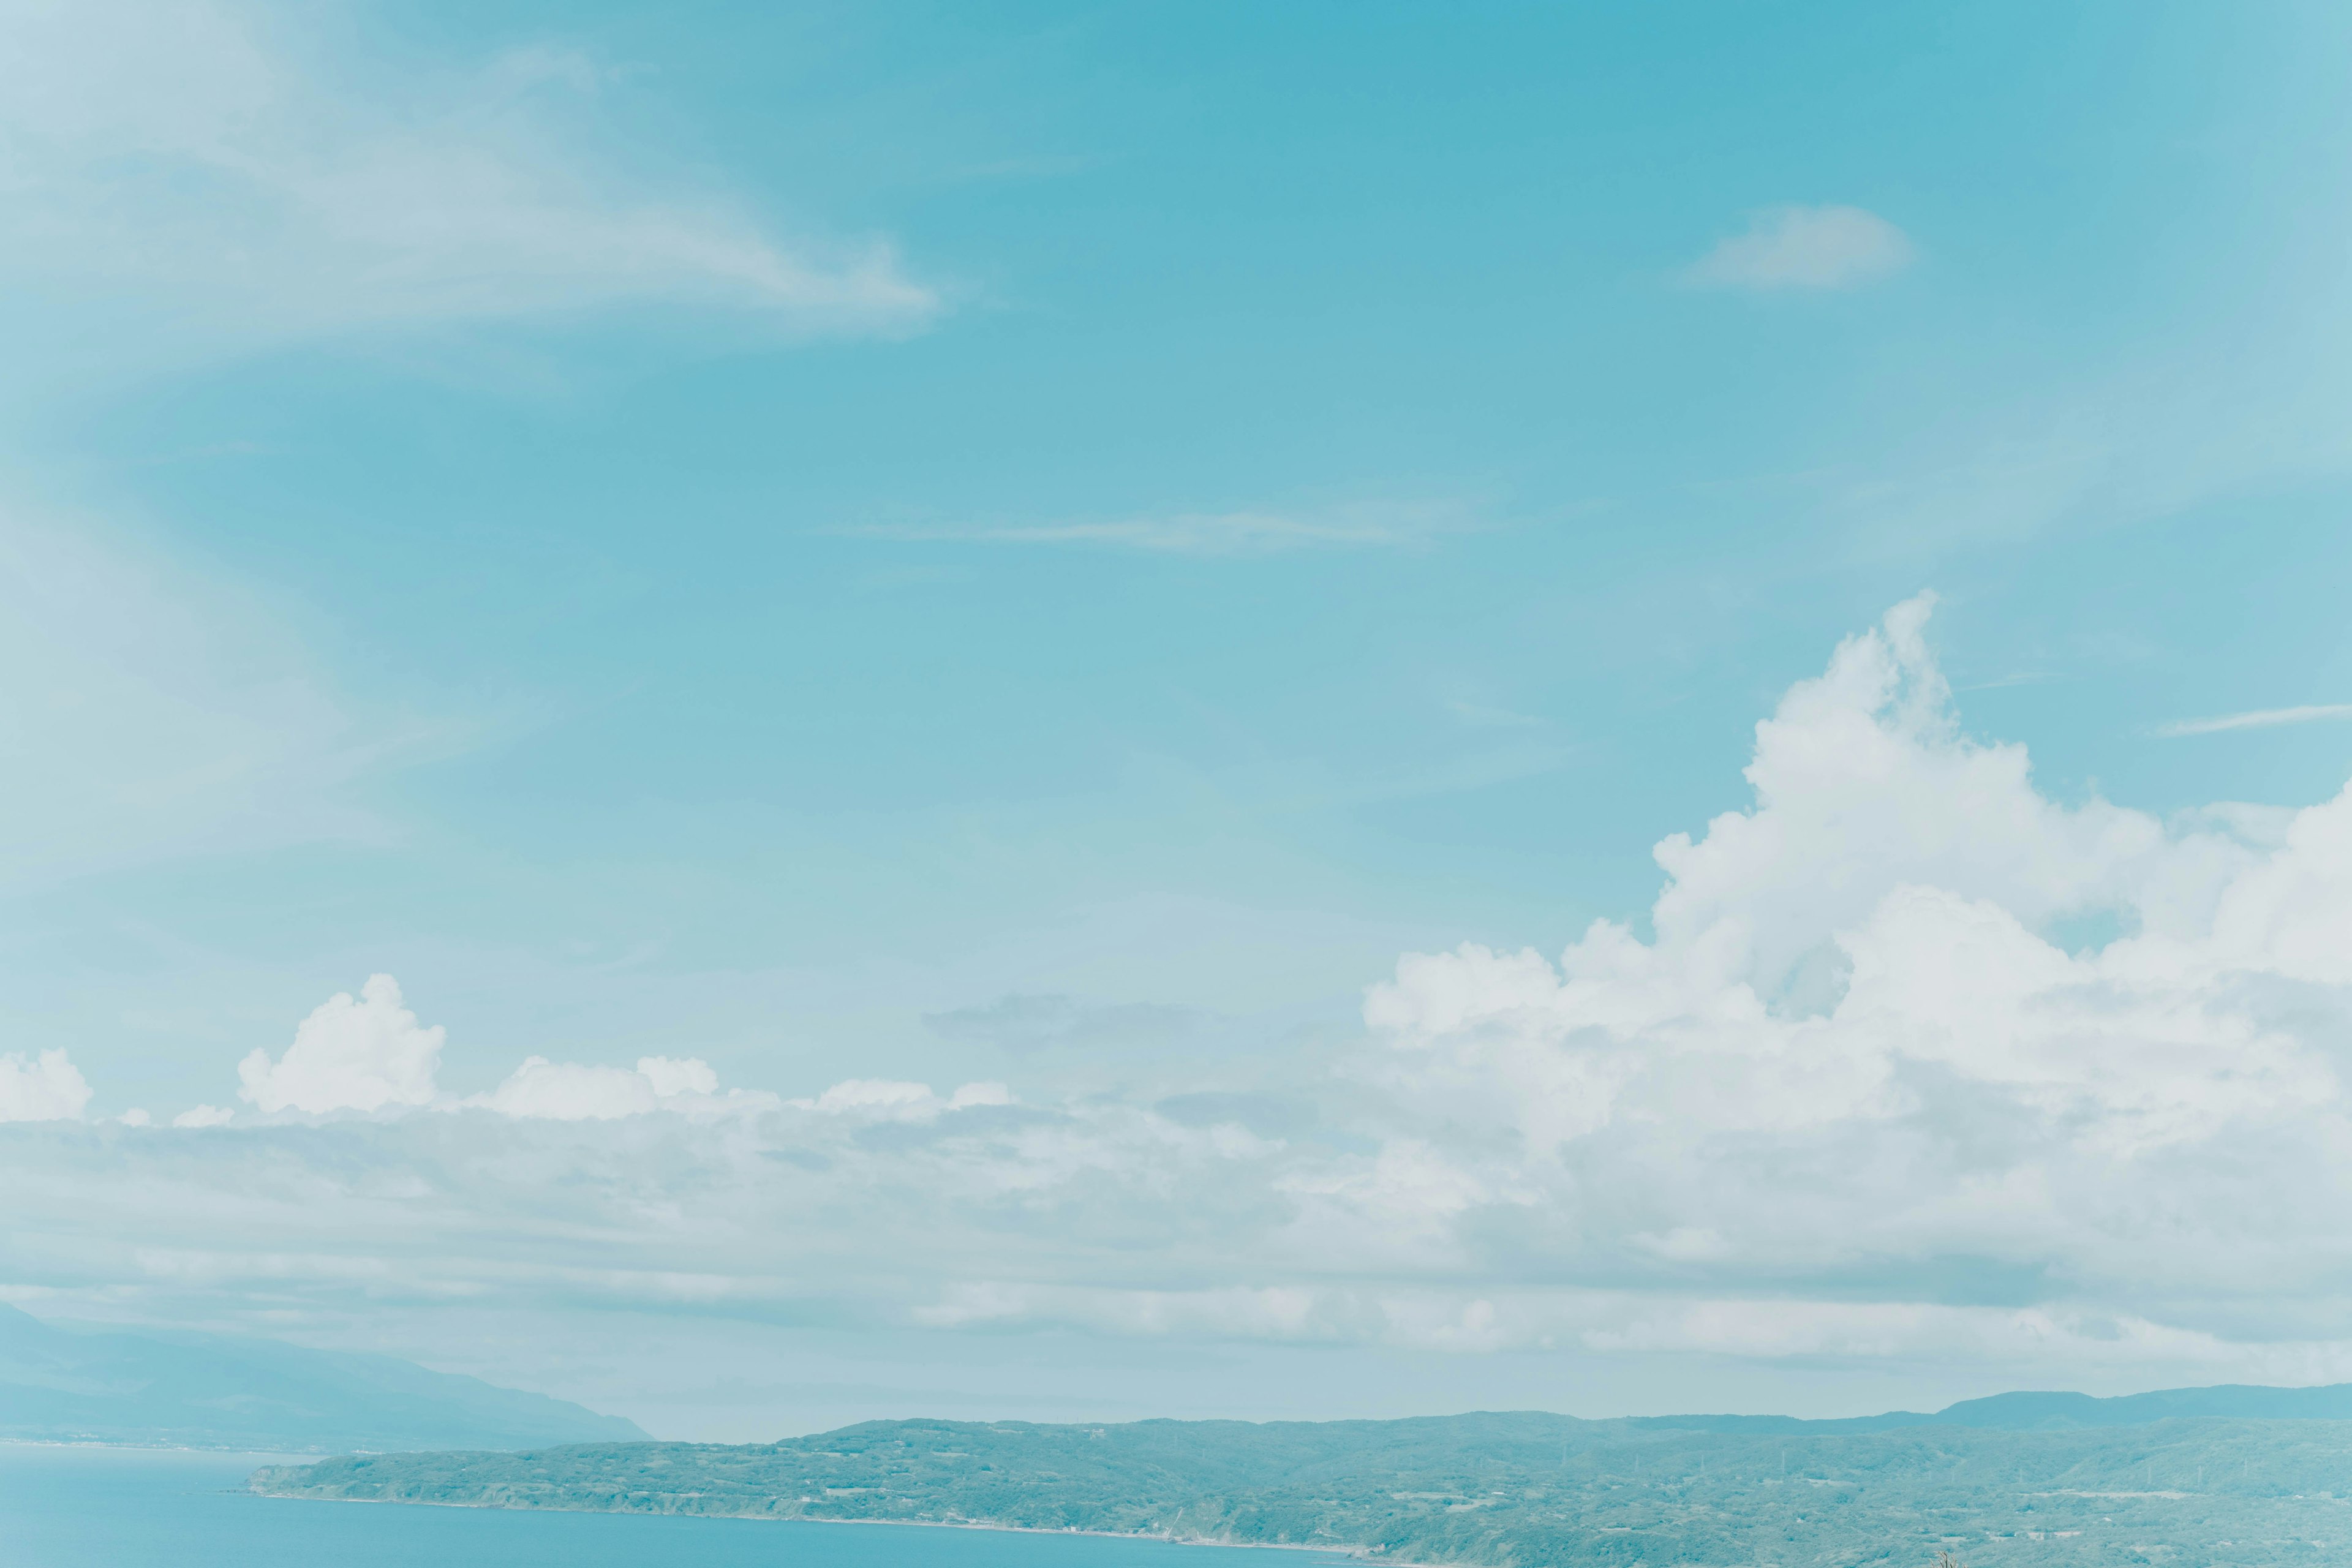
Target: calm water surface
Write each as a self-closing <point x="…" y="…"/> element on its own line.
<point x="129" y="1508"/>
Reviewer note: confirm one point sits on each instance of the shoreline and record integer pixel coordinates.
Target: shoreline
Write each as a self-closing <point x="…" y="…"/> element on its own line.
<point x="303" y="1454"/>
<point x="1354" y="1553"/>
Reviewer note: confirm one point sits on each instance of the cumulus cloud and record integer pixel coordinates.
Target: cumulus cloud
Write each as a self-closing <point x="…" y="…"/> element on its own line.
<point x="1864" y="783"/>
<point x="672" y="1076"/>
<point x="1958" y="1085"/>
<point x="46" y="1088"/>
<point x="1805" y="247"/>
<point x="351" y="1053"/>
<point x="202" y="151"/>
<point x="369" y="1054"/>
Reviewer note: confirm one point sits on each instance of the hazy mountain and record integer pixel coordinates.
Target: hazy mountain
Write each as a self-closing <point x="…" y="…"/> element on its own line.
<point x="203" y="1391"/>
<point x="2056" y="1412"/>
<point x="2031" y="1480"/>
<point x="2025" y="1412"/>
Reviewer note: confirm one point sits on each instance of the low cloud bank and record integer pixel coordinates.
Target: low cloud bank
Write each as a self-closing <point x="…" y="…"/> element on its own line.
<point x="1848" y="1097"/>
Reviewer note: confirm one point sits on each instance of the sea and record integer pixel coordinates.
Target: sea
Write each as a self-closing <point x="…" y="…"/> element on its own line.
<point x="159" y="1508"/>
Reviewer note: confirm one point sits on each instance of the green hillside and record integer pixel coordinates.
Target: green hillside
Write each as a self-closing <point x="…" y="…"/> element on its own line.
<point x="1494" y="1489"/>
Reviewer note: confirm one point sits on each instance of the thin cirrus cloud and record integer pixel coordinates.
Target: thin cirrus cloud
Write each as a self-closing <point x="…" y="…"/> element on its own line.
<point x="1208" y="533"/>
<point x="1805" y="247"/>
<point x="198" y="155"/>
<point x="178" y="716"/>
<point x="2257" y="719"/>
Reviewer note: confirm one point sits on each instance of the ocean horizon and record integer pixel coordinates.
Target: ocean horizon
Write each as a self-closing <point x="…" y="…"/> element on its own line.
<point x="74" y="1505"/>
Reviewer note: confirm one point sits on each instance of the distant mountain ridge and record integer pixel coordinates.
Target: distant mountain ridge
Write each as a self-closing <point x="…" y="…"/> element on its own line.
<point x="2053" y="1412"/>
<point x="62" y="1384"/>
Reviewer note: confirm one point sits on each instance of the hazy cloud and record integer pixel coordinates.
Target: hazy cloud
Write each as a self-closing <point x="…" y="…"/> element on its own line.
<point x="174" y="715"/>
<point x="2259" y="719"/>
<point x="888" y="1100"/>
<point x="199" y="152"/>
<point x="1024" y="1024"/>
<point x="568" y="1092"/>
<point x="1267" y="1115"/>
<point x="1805" y="247"/>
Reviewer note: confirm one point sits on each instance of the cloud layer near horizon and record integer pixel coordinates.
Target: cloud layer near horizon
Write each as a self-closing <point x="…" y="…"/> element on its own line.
<point x="1852" y="1096"/>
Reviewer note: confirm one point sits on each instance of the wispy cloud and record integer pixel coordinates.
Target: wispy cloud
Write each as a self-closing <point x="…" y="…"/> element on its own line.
<point x="1805" y="247"/>
<point x="201" y="157"/>
<point x="175" y="714"/>
<point x="1209" y="533"/>
<point x="2258" y="719"/>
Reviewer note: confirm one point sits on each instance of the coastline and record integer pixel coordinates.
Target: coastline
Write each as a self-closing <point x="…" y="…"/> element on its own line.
<point x="1353" y="1553"/>
<point x="297" y="1454"/>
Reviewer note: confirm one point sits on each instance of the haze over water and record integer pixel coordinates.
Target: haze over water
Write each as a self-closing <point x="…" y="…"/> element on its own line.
<point x="131" y="1508"/>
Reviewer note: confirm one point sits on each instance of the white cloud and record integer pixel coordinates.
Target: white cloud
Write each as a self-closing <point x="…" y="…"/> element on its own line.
<point x="46" y="1088"/>
<point x="2259" y="719"/>
<point x="369" y="1053"/>
<point x="677" y="1075"/>
<point x="350" y="1054"/>
<point x="567" y="1092"/>
<point x="1863" y="782"/>
<point x="199" y="152"/>
<point x="1806" y="248"/>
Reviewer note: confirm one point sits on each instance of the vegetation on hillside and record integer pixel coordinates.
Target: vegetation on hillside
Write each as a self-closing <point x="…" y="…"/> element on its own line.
<point x="1494" y="1490"/>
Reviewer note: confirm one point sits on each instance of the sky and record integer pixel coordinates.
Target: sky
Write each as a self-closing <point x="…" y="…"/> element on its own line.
<point x="776" y="714"/>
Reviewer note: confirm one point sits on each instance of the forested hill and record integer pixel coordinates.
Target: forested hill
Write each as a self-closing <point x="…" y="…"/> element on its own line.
<point x="1504" y="1490"/>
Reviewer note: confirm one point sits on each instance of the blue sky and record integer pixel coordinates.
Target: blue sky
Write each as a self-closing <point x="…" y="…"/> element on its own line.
<point x="1048" y="546"/>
